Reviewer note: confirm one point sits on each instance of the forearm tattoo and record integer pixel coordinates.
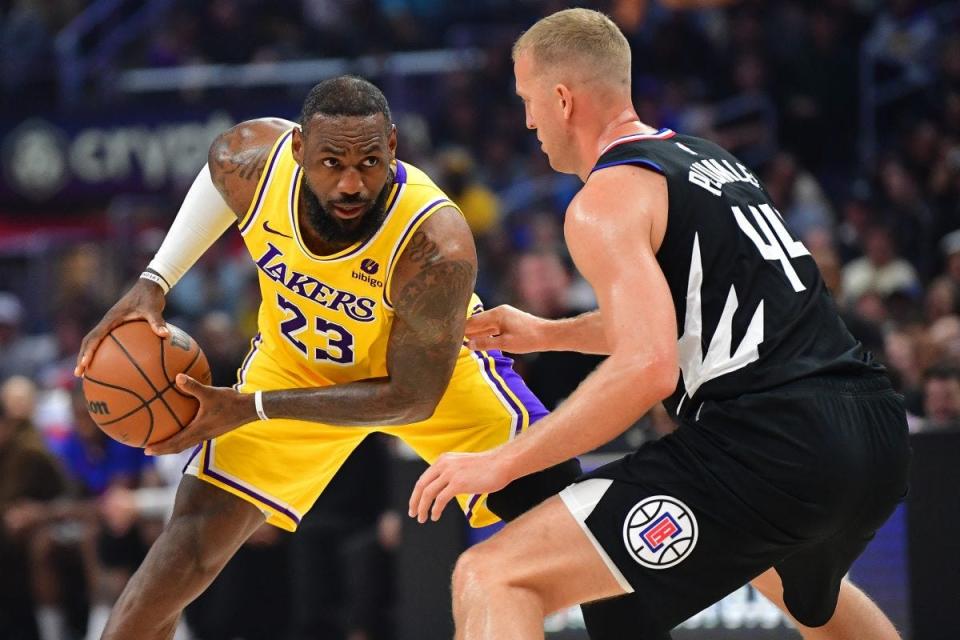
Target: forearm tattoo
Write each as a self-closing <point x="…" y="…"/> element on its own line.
<point x="431" y="310"/>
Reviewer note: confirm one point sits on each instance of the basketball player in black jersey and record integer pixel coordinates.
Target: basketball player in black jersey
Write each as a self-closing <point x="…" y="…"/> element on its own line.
<point x="792" y="447"/>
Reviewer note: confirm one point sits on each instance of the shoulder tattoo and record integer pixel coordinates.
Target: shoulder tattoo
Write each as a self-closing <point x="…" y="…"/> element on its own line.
<point x="246" y="165"/>
<point x="433" y="296"/>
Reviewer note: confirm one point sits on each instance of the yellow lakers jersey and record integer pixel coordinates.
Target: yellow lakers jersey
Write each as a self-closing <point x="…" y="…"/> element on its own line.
<point x="326" y="320"/>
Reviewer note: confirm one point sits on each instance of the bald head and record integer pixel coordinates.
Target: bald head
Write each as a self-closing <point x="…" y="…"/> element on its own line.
<point x="581" y="41"/>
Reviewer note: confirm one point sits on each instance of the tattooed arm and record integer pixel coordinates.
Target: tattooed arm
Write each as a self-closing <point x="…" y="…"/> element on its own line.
<point x="431" y="287"/>
<point x="238" y="156"/>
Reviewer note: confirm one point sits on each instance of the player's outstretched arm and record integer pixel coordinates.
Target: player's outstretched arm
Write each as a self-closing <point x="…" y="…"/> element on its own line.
<point x="510" y="329"/>
<point x="612" y="232"/>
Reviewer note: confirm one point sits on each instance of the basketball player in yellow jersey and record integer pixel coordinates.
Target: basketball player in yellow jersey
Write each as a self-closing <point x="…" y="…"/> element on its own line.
<point x="367" y="272"/>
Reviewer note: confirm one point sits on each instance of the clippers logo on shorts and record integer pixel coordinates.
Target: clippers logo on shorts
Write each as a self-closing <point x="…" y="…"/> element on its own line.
<point x="660" y="532"/>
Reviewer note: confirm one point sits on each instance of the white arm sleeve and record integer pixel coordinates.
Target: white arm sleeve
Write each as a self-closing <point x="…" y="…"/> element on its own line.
<point x="203" y="217"/>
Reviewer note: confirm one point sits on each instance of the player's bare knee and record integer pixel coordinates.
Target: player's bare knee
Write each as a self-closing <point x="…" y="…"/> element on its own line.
<point x="184" y="539"/>
<point x="207" y="527"/>
<point x="476" y="572"/>
<point x="468" y="574"/>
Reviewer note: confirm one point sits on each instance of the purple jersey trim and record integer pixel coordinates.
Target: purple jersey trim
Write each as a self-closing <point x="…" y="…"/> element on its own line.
<point x="470" y="505"/>
<point x="515" y="383"/>
<point x="193" y="455"/>
<point x="208" y="470"/>
<point x="242" y="371"/>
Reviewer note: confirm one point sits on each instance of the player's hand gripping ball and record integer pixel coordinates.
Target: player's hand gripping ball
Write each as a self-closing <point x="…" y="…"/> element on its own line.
<point x="130" y="384"/>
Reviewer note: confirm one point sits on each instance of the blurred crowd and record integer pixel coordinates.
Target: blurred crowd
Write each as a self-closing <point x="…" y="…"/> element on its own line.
<point x="782" y="84"/>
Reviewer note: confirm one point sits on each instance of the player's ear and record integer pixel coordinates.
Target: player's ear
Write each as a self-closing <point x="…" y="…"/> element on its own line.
<point x="296" y="145"/>
<point x="392" y="141"/>
<point x="564" y="99"/>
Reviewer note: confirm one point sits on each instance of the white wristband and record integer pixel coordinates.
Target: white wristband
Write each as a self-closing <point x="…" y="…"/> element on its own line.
<point x="258" y="403"/>
<point x="203" y="217"/>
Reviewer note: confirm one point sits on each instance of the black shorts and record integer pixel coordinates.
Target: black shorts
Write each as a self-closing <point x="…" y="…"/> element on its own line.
<point x="798" y="478"/>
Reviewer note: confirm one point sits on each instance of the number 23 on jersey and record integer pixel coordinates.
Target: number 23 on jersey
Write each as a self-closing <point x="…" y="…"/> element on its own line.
<point x="339" y="341"/>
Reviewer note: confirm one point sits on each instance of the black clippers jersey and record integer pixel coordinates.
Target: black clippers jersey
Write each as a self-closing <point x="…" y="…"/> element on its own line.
<point x="752" y="309"/>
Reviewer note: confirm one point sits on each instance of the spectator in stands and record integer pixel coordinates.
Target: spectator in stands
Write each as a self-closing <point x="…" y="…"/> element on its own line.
<point x="943" y="339"/>
<point x="944" y="180"/>
<point x="499" y="166"/>
<point x="798" y="196"/>
<point x="911" y="219"/>
<point x="921" y="146"/>
<point x="457" y="177"/>
<point x="902" y="358"/>
<point x="820" y="245"/>
<point x="215" y="283"/>
<point x="223" y="345"/>
<point x="941" y="299"/>
<point x="950" y="246"/>
<point x="29" y="478"/>
<point x="19" y="354"/>
<point x="941" y="398"/>
<point x="95" y="463"/>
<point x="69" y="325"/>
<point x="86" y="277"/>
<point x="857" y="215"/>
<point x="880" y="271"/>
<point x="542" y="286"/>
<point x="18" y="395"/>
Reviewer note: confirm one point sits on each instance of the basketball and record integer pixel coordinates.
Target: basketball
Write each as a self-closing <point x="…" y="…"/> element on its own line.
<point x="130" y="385"/>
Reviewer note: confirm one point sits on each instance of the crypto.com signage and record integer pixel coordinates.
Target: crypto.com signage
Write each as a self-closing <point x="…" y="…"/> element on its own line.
<point x="56" y="163"/>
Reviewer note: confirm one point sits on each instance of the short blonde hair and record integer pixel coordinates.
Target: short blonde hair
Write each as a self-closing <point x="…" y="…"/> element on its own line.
<point x="579" y="37"/>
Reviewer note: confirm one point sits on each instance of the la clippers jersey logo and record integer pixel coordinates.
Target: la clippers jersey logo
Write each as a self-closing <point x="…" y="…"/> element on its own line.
<point x="660" y="532"/>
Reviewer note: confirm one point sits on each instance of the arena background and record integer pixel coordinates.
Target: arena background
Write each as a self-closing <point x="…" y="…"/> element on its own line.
<point x="849" y="110"/>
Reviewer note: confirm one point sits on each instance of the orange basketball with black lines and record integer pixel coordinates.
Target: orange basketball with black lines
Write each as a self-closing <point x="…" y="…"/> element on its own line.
<point x="130" y="384"/>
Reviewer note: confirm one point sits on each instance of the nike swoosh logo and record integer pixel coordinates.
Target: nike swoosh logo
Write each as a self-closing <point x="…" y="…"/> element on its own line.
<point x="266" y="227"/>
